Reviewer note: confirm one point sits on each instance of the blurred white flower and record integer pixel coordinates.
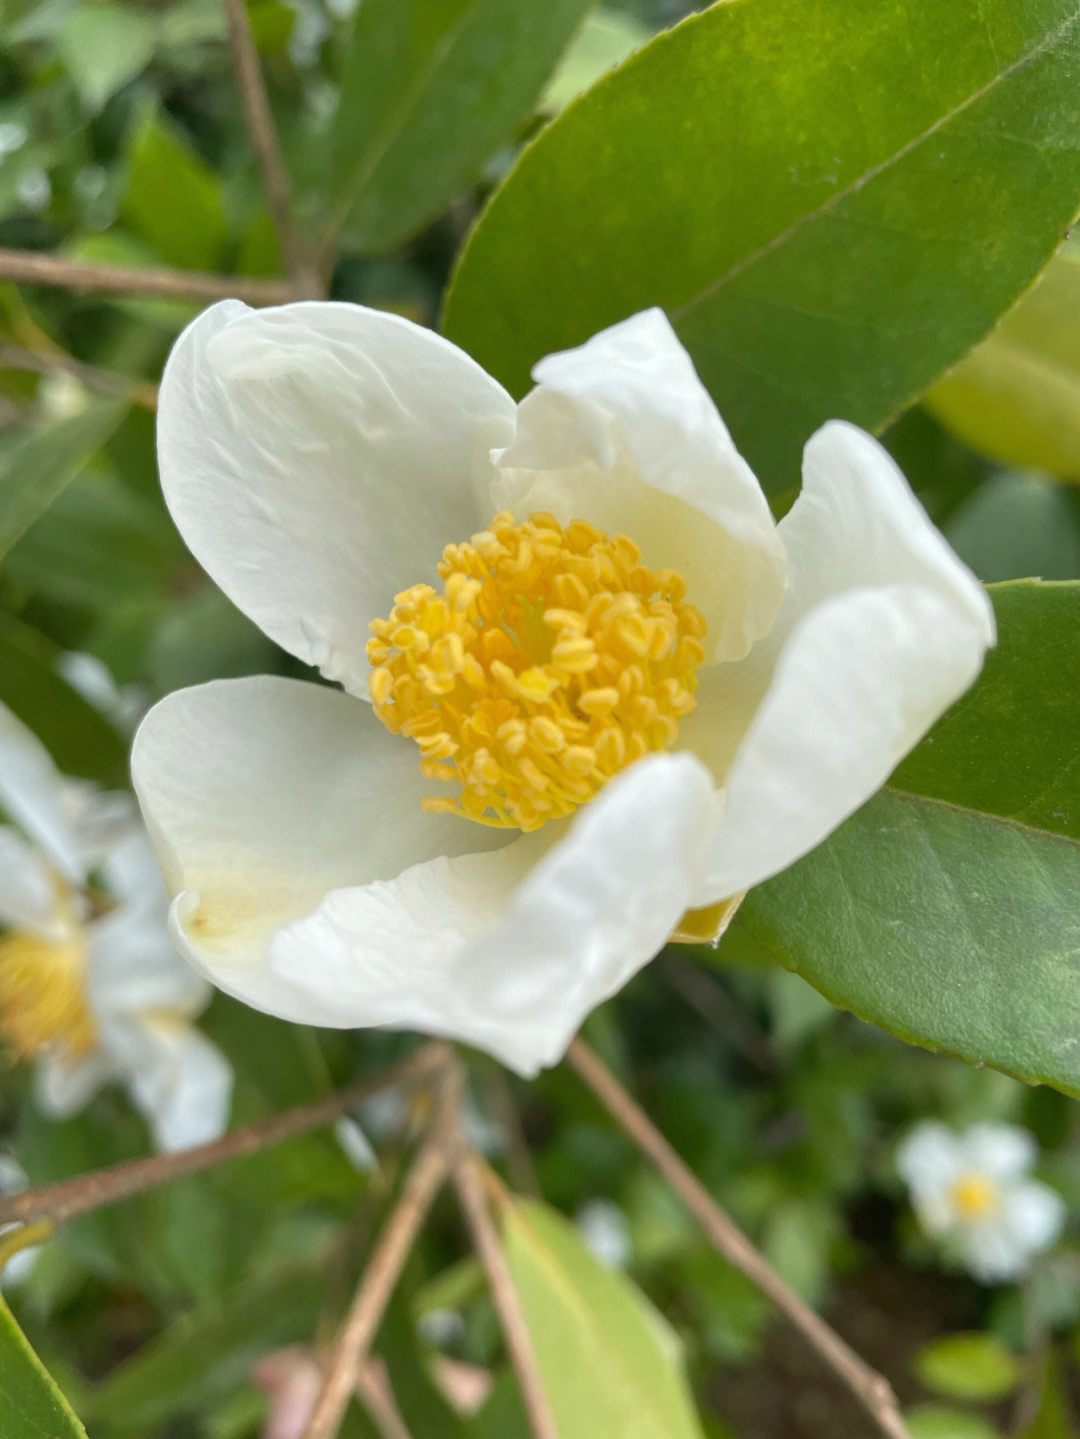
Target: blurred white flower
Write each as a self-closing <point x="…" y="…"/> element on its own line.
<point x="12" y="1181"/>
<point x="319" y="459"/>
<point x="605" y="1231"/>
<point x="91" y="986"/>
<point x="971" y="1191"/>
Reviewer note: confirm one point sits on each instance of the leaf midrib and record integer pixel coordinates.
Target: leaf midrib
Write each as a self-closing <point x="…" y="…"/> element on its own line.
<point x="746" y="262"/>
<point x="971" y="812"/>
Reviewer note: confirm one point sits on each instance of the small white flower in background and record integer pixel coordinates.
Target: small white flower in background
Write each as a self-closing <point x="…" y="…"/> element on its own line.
<point x="92" y="989"/>
<point x="972" y="1192"/>
<point x="635" y="694"/>
<point x="603" y="1227"/>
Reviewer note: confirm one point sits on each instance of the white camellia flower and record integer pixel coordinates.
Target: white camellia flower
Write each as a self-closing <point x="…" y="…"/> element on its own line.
<point x="971" y="1190"/>
<point x="628" y="695"/>
<point x="92" y="988"/>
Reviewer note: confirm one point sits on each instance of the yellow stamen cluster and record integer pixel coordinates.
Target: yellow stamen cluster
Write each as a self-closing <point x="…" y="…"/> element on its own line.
<point x="973" y="1196"/>
<point x="42" y="998"/>
<point x="552" y="659"/>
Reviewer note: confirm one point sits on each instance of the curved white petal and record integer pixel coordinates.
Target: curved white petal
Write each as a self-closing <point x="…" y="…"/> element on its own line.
<point x="32" y="794"/>
<point x="507" y="951"/>
<point x="317" y="458"/>
<point x="63" y="1086"/>
<point x="1003" y="1152"/>
<point x="28" y="893"/>
<point x="883" y="629"/>
<point x="928" y="1159"/>
<point x="179" y="1081"/>
<point x="263" y="795"/>
<point x="1035" y="1215"/>
<point x="622" y="433"/>
<point x="132" y="966"/>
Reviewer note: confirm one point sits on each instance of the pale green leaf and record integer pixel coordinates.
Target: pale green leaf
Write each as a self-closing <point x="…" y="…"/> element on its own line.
<point x="606" y="38"/>
<point x="973" y="1366"/>
<point x="104" y="46"/>
<point x="1016" y="396"/>
<point x="609" y="1362"/>
<point x="832" y="203"/>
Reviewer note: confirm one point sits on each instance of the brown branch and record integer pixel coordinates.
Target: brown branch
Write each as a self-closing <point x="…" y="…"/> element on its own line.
<point x="260" y="127"/>
<point x="392" y="1250"/>
<point x="467" y="1177"/>
<point x="105" y="382"/>
<point x="871" y="1389"/>
<point x="71" y="1197"/>
<point x="30" y="267"/>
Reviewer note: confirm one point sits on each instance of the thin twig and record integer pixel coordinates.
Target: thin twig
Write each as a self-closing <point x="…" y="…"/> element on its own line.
<point x="71" y="1197"/>
<point x="375" y="1393"/>
<point x="394" y="1245"/>
<point x="467" y="1178"/>
<point x="33" y="268"/>
<point x="260" y="128"/>
<point x="105" y="382"/>
<point x="868" y="1386"/>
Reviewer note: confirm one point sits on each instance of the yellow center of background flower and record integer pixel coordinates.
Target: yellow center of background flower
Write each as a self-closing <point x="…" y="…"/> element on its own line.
<point x="552" y="660"/>
<point x="42" y="998"/>
<point x="972" y="1196"/>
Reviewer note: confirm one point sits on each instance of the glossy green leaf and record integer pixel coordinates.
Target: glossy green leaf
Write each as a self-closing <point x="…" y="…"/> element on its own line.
<point x="31" y="1406"/>
<point x="945" y="909"/>
<point x="431" y="89"/>
<point x="173" y="199"/>
<point x="832" y="203"/>
<point x="37" y="466"/>
<point x="1019" y="524"/>
<point x="609" y="1362"/>
<point x="1016" y="396"/>
<point x="974" y="1366"/>
<point x="80" y="739"/>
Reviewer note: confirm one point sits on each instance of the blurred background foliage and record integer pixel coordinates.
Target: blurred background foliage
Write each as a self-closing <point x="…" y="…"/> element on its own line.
<point x="123" y="142"/>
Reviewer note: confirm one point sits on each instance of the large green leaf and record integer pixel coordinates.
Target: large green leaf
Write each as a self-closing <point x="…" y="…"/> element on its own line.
<point x="946" y="909"/>
<point x="609" y="1362"/>
<point x="832" y="203"/>
<point x="173" y="199"/>
<point x="431" y="89"/>
<point x="31" y="1406"/>
<point x="37" y="466"/>
<point x="1016" y="396"/>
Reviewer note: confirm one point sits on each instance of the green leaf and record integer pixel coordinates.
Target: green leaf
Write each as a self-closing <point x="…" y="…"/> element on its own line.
<point x="945" y="909"/>
<point x="1016" y="396"/>
<point x="973" y="1366"/>
<point x="173" y="199"/>
<point x="1019" y="524"/>
<point x="832" y="205"/>
<point x="37" y="466"/>
<point x="79" y="738"/>
<point x="31" y="1406"/>
<point x="430" y="90"/>
<point x="609" y="1363"/>
<point x="103" y="47"/>
<point x="935" y="1421"/>
<point x="605" y="39"/>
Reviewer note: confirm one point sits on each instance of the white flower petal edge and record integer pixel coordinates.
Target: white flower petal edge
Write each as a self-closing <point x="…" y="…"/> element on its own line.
<point x="622" y="433"/>
<point x="301" y="900"/>
<point x="179" y="1081"/>
<point x="882" y="630"/>
<point x="317" y="457"/>
<point x="32" y="795"/>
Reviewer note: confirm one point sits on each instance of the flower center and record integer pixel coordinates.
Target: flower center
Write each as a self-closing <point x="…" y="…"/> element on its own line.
<point x="42" y="999"/>
<point x="552" y="659"/>
<point x="973" y="1197"/>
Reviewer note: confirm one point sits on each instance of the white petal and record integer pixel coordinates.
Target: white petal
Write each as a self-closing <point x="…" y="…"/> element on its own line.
<point x="990" y="1252"/>
<point x="507" y="951"/>
<point x="1002" y="1152"/>
<point x="928" y="1159"/>
<point x="28" y="893"/>
<point x="883" y="630"/>
<point x="32" y="794"/>
<point x="132" y="966"/>
<point x="263" y="795"/>
<point x="179" y="1081"/>
<point x="317" y="458"/>
<point x="622" y="433"/>
<point x="63" y="1087"/>
<point x="1035" y="1215"/>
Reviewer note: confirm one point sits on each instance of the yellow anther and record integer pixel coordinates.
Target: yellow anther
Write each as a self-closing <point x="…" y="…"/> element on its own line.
<point x="43" y="1002"/>
<point x="552" y="660"/>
